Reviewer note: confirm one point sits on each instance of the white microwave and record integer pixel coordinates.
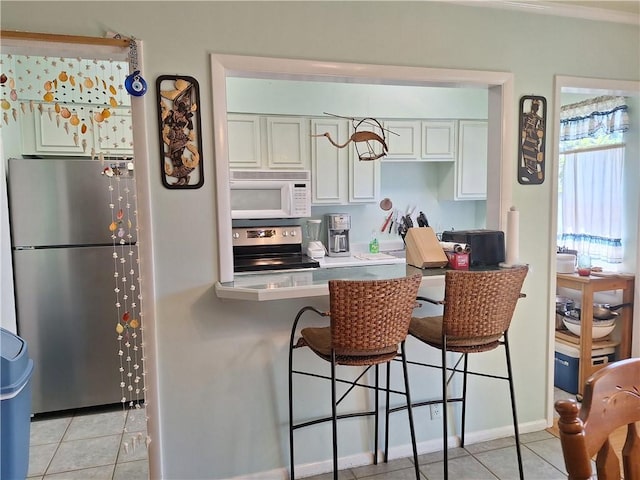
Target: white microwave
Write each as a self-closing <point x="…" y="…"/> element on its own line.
<point x="258" y="194"/>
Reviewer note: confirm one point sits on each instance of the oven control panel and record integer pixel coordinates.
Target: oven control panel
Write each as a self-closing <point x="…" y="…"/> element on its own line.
<point x="255" y="236"/>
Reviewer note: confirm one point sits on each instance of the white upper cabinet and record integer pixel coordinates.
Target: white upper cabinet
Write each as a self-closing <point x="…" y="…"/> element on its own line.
<point x="466" y="179"/>
<point x="287" y="142"/>
<point x="403" y="140"/>
<point x="421" y="140"/>
<point x="70" y="106"/>
<point x="44" y="132"/>
<point x="338" y="176"/>
<point x="364" y="175"/>
<point x="268" y="142"/>
<point x="244" y="141"/>
<point x="329" y="164"/>
<point x="438" y="140"/>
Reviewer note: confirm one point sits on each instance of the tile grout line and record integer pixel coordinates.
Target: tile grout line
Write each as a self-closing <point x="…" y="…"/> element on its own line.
<point x="46" y="470"/>
<point x="124" y="428"/>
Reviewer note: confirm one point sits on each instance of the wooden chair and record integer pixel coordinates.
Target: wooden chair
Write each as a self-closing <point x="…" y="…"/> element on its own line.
<point x="369" y="320"/>
<point x="478" y="308"/>
<point x="611" y="400"/>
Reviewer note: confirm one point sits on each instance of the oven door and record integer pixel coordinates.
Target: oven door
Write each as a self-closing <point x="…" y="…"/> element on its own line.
<point x="260" y="199"/>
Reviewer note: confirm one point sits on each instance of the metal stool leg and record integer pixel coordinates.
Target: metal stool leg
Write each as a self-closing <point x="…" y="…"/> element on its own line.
<point x="334" y="420"/>
<point x="409" y="411"/>
<point x="513" y="406"/>
<point x="386" y="425"/>
<point x="464" y="398"/>
<point x="445" y="434"/>
<point x="291" y="462"/>
<point x="377" y="406"/>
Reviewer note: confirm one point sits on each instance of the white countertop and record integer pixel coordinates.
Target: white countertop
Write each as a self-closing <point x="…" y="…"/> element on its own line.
<point x="314" y="282"/>
<point x="278" y="285"/>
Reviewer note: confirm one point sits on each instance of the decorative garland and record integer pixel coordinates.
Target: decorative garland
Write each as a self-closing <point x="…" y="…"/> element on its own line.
<point x="128" y="296"/>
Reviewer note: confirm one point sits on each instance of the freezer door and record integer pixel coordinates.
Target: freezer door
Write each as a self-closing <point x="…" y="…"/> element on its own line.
<point x="61" y="202"/>
<point x="67" y="314"/>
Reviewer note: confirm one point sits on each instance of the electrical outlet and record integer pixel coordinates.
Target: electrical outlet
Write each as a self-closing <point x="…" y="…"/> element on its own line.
<point x="435" y="409"/>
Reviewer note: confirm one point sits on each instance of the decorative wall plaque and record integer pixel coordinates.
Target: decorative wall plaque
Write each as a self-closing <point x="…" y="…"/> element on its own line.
<point x="533" y="112"/>
<point x="180" y="131"/>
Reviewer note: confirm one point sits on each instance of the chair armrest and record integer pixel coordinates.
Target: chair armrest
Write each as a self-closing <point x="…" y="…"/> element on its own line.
<point x="297" y="319"/>
<point x="313" y="309"/>
<point x="430" y="300"/>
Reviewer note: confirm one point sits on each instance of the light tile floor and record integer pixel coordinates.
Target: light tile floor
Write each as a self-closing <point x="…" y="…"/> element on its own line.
<point x="541" y="455"/>
<point x="90" y="445"/>
<point x="102" y="444"/>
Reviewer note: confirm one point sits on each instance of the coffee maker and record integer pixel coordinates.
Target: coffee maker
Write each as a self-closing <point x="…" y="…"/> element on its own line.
<point x="338" y="225"/>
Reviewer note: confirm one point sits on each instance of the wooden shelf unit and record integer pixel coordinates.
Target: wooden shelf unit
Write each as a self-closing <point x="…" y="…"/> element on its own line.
<point x="587" y="286"/>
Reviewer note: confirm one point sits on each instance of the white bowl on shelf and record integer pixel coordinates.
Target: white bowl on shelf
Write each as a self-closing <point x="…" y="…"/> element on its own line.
<point x="601" y="328"/>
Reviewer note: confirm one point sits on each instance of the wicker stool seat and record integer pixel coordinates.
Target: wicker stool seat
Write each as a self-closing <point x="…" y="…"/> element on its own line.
<point x="478" y="308"/>
<point x="368" y="321"/>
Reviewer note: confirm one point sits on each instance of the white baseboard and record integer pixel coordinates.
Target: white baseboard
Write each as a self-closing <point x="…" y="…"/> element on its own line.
<point x="400" y="451"/>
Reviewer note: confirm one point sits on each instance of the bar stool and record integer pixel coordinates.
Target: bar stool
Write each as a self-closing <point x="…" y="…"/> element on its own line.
<point x="369" y="319"/>
<point x="478" y="308"/>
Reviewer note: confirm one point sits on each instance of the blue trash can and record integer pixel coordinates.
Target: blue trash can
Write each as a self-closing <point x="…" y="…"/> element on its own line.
<point x="15" y="412"/>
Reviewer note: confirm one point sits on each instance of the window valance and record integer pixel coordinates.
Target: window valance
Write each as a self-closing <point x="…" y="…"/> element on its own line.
<point x="594" y="117"/>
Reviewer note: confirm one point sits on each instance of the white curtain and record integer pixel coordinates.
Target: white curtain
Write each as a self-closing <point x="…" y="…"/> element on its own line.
<point x="592" y="203"/>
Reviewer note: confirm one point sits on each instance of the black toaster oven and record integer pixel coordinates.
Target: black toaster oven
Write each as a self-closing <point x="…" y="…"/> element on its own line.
<point x="487" y="246"/>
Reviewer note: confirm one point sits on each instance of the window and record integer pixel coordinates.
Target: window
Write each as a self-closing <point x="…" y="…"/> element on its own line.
<point x="591" y="202"/>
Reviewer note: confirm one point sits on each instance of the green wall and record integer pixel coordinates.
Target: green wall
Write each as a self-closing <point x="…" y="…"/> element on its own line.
<point x="221" y="366"/>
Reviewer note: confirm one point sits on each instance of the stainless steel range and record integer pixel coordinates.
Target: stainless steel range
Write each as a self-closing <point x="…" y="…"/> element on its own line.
<point x="269" y="248"/>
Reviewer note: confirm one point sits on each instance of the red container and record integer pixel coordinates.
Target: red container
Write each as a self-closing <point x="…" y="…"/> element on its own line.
<point x="458" y="261"/>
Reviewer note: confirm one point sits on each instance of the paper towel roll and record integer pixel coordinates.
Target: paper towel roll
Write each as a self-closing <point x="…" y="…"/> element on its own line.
<point x="513" y="240"/>
<point x="455" y="246"/>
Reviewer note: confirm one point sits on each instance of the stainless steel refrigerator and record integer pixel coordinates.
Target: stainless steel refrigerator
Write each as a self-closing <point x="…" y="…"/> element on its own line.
<point x="64" y="280"/>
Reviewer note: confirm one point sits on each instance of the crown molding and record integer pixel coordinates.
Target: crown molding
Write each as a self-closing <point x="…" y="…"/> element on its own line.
<point x="558" y="9"/>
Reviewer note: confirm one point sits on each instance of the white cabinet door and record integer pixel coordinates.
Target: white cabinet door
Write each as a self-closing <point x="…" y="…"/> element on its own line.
<point x="438" y="140"/>
<point x="403" y="140"/>
<point x="114" y="135"/>
<point x="268" y="142"/>
<point x="338" y="176"/>
<point x="466" y="178"/>
<point x="46" y="133"/>
<point x="244" y="141"/>
<point x="329" y="164"/>
<point x="287" y="143"/>
<point x="364" y="176"/>
<point x="471" y="167"/>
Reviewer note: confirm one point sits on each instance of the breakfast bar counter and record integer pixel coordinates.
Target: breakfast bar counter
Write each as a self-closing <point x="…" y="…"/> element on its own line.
<point x="314" y="282"/>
